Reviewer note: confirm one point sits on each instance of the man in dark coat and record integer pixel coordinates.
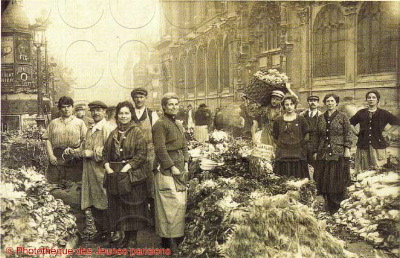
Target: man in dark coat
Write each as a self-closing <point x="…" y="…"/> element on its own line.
<point x="312" y="114"/>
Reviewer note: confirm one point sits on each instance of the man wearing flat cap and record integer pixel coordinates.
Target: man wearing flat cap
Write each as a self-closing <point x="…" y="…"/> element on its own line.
<point x="145" y="119"/>
<point x="93" y="194"/>
<point x="312" y="116"/>
<point x="80" y="112"/>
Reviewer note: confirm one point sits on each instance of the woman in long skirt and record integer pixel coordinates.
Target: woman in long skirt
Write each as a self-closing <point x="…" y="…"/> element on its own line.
<point x="289" y="132"/>
<point x="371" y="145"/>
<point x="125" y="154"/>
<point x="332" y="173"/>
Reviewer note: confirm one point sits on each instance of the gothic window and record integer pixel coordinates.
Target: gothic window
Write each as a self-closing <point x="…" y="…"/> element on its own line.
<point x="271" y="36"/>
<point x="212" y="67"/>
<point x="181" y="77"/>
<point x="377" y="39"/>
<point x="190" y="72"/>
<point x="328" y="42"/>
<point x="200" y="70"/>
<point x="225" y="65"/>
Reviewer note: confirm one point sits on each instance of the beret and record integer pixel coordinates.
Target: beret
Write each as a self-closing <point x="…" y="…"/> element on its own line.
<point x="80" y="107"/>
<point x="97" y="104"/>
<point x="312" y="97"/>
<point x="139" y="91"/>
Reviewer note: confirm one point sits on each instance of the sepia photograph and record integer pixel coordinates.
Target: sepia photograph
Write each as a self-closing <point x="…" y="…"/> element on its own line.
<point x="200" y="128"/>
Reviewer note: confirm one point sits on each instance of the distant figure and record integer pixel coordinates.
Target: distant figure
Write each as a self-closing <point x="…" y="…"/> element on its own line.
<point x="181" y="115"/>
<point x="202" y="121"/>
<point x="80" y="112"/>
<point x="111" y="115"/>
<point x="189" y="117"/>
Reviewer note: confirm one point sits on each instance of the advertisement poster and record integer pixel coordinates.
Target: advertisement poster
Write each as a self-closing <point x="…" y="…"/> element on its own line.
<point x="7" y="50"/>
<point x="200" y="128"/>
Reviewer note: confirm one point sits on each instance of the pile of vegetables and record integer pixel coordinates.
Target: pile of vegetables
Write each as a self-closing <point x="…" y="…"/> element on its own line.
<point x="228" y="207"/>
<point x="31" y="217"/>
<point x="263" y="83"/>
<point x="279" y="226"/>
<point x="372" y="210"/>
<point x="24" y="149"/>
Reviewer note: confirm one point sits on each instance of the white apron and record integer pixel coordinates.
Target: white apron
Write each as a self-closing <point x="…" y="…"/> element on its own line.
<point x="170" y="207"/>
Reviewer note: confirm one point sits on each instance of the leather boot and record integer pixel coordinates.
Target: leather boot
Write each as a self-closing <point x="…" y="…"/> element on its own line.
<point x="132" y="239"/>
<point x="123" y="241"/>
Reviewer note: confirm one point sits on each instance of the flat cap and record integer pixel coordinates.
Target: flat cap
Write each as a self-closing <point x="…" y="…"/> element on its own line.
<point x="80" y="107"/>
<point x="139" y="91"/>
<point x="97" y="104"/>
<point x="278" y="93"/>
<point x="312" y="97"/>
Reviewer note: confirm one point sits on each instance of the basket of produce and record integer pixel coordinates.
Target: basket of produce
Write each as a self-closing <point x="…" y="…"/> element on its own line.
<point x="263" y="83"/>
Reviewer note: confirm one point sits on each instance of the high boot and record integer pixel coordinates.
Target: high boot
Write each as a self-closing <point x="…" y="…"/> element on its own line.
<point x="132" y="239"/>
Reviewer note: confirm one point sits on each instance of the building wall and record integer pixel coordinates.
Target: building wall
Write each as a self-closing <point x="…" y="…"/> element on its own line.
<point x="284" y="35"/>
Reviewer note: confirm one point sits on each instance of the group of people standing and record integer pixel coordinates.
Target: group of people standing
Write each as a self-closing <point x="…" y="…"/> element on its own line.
<point x="324" y="140"/>
<point x="133" y="171"/>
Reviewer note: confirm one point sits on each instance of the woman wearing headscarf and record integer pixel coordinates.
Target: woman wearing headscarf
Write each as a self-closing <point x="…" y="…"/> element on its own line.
<point x="125" y="153"/>
<point x="332" y="172"/>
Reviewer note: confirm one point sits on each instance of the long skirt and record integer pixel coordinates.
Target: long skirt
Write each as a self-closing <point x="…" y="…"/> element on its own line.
<point x="291" y="168"/>
<point x="332" y="176"/>
<point x="201" y="133"/>
<point x="370" y="159"/>
<point x="128" y="212"/>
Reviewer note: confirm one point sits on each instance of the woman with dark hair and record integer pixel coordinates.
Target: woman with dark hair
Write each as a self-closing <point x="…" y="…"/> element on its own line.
<point x="125" y="153"/>
<point x="64" y="137"/>
<point x="371" y="145"/>
<point x="332" y="172"/>
<point x="289" y="131"/>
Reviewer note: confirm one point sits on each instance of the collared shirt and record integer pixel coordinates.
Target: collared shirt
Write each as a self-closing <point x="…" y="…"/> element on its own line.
<point x="97" y="126"/>
<point x="69" y="132"/>
<point x="139" y="112"/>
<point x="312" y="113"/>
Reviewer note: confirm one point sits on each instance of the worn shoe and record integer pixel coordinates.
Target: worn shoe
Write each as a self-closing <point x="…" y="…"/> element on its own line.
<point x="100" y="237"/>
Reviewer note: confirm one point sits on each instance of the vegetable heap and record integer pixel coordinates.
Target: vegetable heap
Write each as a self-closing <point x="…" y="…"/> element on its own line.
<point x="372" y="210"/>
<point x="263" y="83"/>
<point x="31" y="216"/>
<point x="228" y="208"/>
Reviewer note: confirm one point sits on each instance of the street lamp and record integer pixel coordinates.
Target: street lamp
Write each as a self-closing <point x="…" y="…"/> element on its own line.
<point x="39" y="41"/>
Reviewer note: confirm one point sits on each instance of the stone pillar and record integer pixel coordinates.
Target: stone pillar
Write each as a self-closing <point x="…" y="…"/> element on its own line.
<point x="350" y="12"/>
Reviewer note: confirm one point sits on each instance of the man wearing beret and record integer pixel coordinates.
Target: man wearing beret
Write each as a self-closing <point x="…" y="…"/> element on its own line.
<point x="312" y="115"/>
<point x="145" y="119"/>
<point x="80" y="112"/>
<point x="93" y="194"/>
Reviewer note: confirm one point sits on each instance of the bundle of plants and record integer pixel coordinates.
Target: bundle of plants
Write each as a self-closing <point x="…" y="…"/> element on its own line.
<point x="279" y="226"/>
<point x="263" y="83"/>
<point x="24" y="149"/>
<point x="31" y="217"/>
<point x="372" y="210"/>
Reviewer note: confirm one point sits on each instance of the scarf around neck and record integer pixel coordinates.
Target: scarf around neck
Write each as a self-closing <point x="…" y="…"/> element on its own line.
<point x="124" y="127"/>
